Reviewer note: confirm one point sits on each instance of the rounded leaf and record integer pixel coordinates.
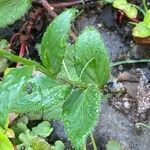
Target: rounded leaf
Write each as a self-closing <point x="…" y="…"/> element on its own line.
<point x="147" y="19"/>
<point x="5" y="143"/>
<point x="130" y="11"/>
<point x="141" y="30"/>
<point x="91" y="58"/>
<point x="119" y="4"/>
<point x="80" y="114"/>
<point x="11" y="10"/>
<point x="55" y="41"/>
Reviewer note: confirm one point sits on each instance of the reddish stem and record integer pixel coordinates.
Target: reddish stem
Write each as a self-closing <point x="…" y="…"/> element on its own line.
<point x="121" y="15"/>
<point x="135" y="20"/>
<point x="48" y="7"/>
<point x="22" y="51"/>
<point x="65" y="4"/>
<point x="12" y="39"/>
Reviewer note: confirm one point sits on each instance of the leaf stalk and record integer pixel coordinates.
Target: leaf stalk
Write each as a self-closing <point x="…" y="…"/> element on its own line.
<point x="93" y="142"/>
<point x="24" y="61"/>
<point x="129" y="62"/>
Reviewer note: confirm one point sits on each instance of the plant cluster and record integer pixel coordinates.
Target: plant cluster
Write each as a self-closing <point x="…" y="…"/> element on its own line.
<point x="34" y="139"/>
<point x="65" y="86"/>
<point x="142" y="28"/>
<point x="129" y="9"/>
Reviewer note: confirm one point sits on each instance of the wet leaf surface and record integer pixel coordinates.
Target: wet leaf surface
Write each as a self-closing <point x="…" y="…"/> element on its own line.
<point x="54" y="41"/>
<point x="80" y="113"/>
<point x="11" y="10"/>
<point x="91" y="58"/>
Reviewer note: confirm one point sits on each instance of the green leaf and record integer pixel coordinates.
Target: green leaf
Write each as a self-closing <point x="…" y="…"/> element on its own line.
<point x="59" y="145"/>
<point x="68" y="70"/>
<point x="119" y="4"/>
<point x="32" y="142"/>
<point x="80" y="114"/>
<point x="47" y="114"/>
<point x="91" y="59"/>
<point x="113" y="145"/>
<point x="55" y="41"/>
<point x="4" y="44"/>
<point x="18" y="128"/>
<point x="10" y="88"/>
<point x="130" y="11"/>
<point x="40" y="93"/>
<point x="108" y="1"/>
<point x="3" y="61"/>
<point x="5" y="143"/>
<point x="54" y="113"/>
<point x="23" y="93"/>
<point x="3" y="64"/>
<point x="128" y="8"/>
<point x="40" y="144"/>
<point x="147" y="19"/>
<point x="43" y="129"/>
<point x="141" y="30"/>
<point x="11" y="10"/>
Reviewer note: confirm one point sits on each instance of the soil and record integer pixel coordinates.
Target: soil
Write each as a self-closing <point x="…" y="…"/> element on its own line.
<point x="127" y="88"/>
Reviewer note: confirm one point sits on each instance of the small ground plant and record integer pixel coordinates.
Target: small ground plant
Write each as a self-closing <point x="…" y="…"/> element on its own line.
<point x="67" y="84"/>
<point x="34" y="139"/>
<point x="129" y="9"/>
<point x="142" y="28"/>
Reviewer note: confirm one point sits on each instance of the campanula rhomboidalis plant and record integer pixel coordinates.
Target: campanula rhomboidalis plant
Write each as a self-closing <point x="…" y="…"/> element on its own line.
<point x="66" y="85"/>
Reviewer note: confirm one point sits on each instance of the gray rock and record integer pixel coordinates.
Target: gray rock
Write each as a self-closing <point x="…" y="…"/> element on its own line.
<point x="59" y="134"/>
<point x="117" y="48"/>
<point x="140" y="51"/>
<point x="114" y="125"/>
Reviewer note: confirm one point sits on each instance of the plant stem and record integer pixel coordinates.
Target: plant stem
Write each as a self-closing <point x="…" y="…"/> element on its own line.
<point x="85" y="67"/>
<point x="73" y="83"/>
<point x="130" y="62"/>
<point x="51" y="11"/>
<point x="24" y="61"/>
<point x="22" y="51"/>
<point x="145" y="6"/>
<point x="93" y="141"/>
<point x="48" y="7"/>
<point x="133" y="23"/>
<point x="84" y="148"/>
<point x="65" y="4"/>
<point x="39" y="67"/>
<point x="65" y="67"/>
<point x="144" y="125"/>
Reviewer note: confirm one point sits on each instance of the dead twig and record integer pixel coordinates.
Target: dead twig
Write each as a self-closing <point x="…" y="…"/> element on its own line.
<point x="51" y="11"/>
<point x="48" y="7"/>
<point x="65" y="4"/>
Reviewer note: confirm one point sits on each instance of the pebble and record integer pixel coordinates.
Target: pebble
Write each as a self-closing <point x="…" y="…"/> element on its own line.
<point x="120" y="67"/>
<point x="126" y="105"/>
<point x="125" y="76"/>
